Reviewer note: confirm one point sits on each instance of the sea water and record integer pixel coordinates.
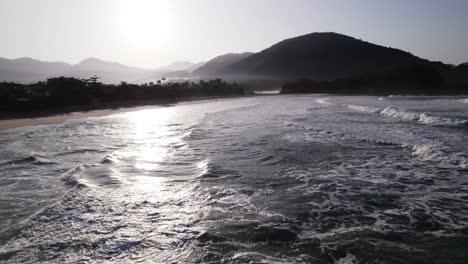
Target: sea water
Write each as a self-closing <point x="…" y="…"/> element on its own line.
<point x="271" y="179"/>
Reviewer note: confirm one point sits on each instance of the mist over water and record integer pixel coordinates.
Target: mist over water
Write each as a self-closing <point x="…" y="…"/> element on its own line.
<point x="277" y="179"/>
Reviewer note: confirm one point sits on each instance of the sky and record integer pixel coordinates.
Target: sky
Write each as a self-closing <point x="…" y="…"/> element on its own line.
<point x="153" y="33"/>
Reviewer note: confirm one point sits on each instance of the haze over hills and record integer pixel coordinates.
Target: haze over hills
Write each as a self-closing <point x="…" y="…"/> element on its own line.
<point x="318" y="56"/>
<point x="216" y="66"/>
<point x="196" y="66"/>
<point x="110" y="72"/>
<point x="27" y="70"/>
<point x="181" y="66"/>
<point x="321" y="56"/>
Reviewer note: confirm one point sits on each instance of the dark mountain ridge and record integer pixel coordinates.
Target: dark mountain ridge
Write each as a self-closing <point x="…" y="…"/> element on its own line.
<point x="216" y="65"/>
<point x="321" y="56"/>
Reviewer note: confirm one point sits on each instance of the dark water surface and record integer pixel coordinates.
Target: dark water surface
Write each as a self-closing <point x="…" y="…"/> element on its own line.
<point x="278" y="179"/>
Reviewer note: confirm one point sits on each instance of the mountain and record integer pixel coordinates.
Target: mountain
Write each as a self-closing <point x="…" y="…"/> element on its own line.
<point x="457" y="75"/>
<point x="321" y="56"/>
<point x="462" y="67"/>
<point x="318" y="56"/>
<point x="177" y="66"/>
<point x="196" y="66"/>
<point x="27" y="70"/>
<point x="30" y="70"/>
<point x="95" y="64"/>
<point x="110" y="72"/>
<point x="217" y="64"/>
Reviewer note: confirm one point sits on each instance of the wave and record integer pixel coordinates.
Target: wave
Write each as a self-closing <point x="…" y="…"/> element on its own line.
<point x="110" y="158"/>
<point x="79" y="151"/>
<point x="348" y="259"/>
<point x="36" y="159"/>
<point x="424" y="150"/>
<point x="463" y="101"/>
<point x="324" y="101"/>
<point x="437" y="152"/>
<point x="207" y="171"/>
<point x="364" y="109"/>
<point x="422" y="118"/>
<point x="74" y="177"/>
<point x="91" y="176"/>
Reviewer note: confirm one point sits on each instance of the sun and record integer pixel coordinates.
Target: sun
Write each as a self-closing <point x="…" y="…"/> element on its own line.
<point x="145" y="22"/>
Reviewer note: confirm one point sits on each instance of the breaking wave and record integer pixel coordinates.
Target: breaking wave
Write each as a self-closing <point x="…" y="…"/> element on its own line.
<point x="74" y="176"/>
<point x="36" y="159"/>
<point x="278" y="182"/>
<point x="324" y="101"/>
<point x="364" y="109"/>
<point x="422" y="149"/>
<point x="437" y="152"/>
<point x="422" y="118"/>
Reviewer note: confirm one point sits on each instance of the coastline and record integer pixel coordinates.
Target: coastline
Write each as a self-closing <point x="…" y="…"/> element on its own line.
<point x="58" y="116"/>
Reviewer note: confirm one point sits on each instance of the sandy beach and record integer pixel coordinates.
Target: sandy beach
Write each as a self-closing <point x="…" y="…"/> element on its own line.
<point x="50" y="119"/>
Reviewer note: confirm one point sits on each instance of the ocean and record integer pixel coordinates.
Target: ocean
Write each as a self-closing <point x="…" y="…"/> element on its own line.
<point x="268" y="179"/>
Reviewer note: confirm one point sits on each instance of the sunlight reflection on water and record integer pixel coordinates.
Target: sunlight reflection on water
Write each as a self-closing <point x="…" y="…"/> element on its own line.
<point x="152" y="132"/>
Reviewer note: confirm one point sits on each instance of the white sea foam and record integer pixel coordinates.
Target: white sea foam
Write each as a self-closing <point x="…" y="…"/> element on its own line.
<point x="437" y="152"/>
<point x="324" y="101"/>
<point x="73" y="176"/>
<point x="463" y="101"/>
<point x="348" y="259"/>
<point x="422" y="118"/>
<point x="364" y="109"/>
<point x="422" y="149"/>
<point x="334" y="177"/>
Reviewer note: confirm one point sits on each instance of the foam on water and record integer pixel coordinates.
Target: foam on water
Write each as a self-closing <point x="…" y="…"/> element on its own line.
<point x="281" y="179"/>
<point x="348" y="259"/>
<point x="324" y="101"/>
<point x="435" y="151"/>
<point x="422" y="118"/>
<point x="365" y="109"/>
<point x="74" y="176"/>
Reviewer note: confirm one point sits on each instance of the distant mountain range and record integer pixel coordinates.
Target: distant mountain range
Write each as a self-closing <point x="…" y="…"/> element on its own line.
<point x="29" y="70"/>
<point x="318" y="56"/>
<point x="26" y="70"/>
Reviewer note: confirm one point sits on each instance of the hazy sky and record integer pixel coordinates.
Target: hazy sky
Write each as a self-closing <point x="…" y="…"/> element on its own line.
<point x="152" y="33"/>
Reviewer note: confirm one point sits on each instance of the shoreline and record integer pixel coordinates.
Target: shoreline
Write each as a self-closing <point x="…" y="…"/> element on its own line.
<point x="57" y="116"/>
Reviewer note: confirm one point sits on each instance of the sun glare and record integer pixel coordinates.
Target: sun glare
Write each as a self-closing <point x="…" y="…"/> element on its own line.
<point x="145" y="22"/>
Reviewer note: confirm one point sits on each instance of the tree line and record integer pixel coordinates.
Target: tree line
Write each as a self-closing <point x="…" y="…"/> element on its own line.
<point x="64" y="91"/>
<point x="417" y="80"/>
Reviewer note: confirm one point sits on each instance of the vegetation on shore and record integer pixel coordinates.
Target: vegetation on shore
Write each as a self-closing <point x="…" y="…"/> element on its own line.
<point x="417" y="80"/>
<point x="67" y="92"/>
